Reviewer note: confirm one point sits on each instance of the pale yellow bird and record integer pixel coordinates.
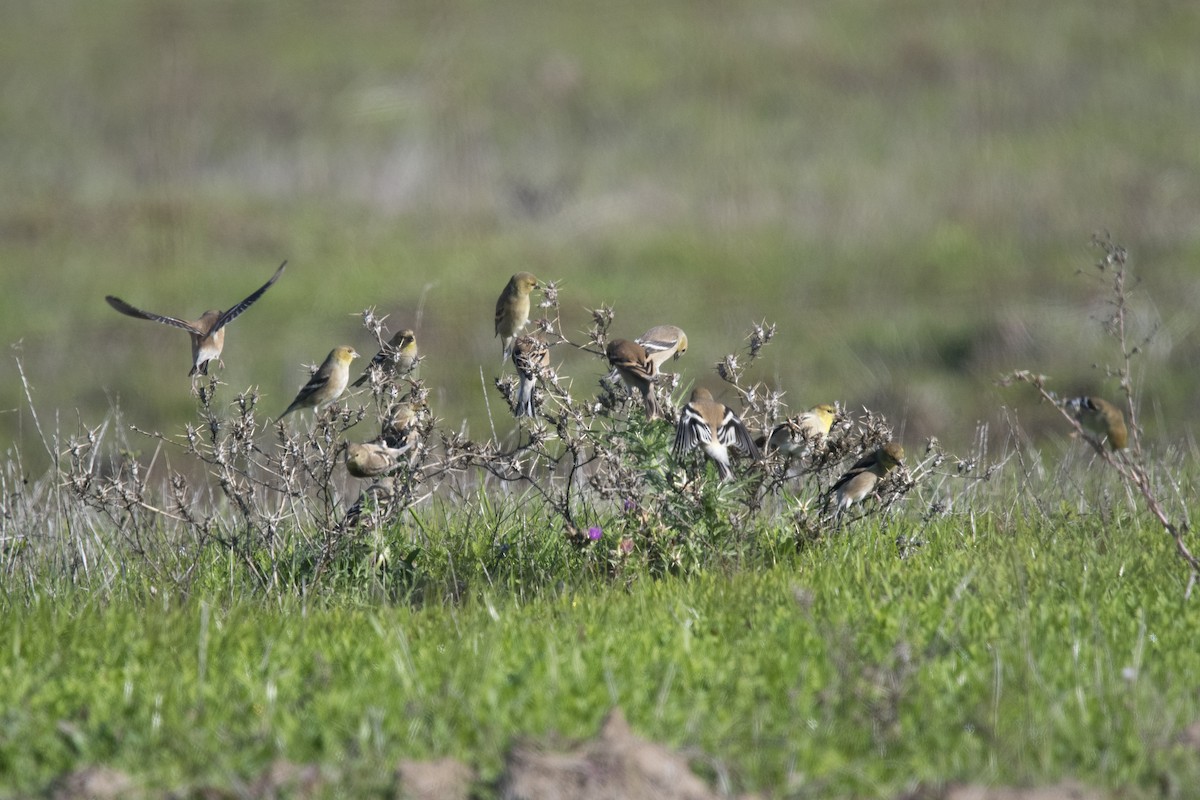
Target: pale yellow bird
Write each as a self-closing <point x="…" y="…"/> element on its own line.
<point x="530" y="356"/>
<point x="208" y="332"/>
<point x="1102" y="418"/>
<point x="794" y="436"/>
<point x="327" y="383"/>
<point x="397" y="357"/>
<point x="370" y="460"/>
<point x="399" y="428"/>
<point x="860" y="480"/>
<point x="512" y="310"/>
<point x="663" y="342"/>
<point x="715" y="427"/>
<point x="636" y="370"/>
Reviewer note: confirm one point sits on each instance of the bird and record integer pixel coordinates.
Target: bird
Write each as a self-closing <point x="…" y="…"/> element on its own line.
<point x="397" y="357"/>
<point x="714" y="426"/>
<point x="795" y="435"/>
<point x="327" y="383"/>
<point x="399" y="424"/>
<point x="370" y="459"/>
<point x="1100" y="417"/>
<point x="663" y="342"/>
<point x="530" y="356"/>
<point x="512" y="310"/>
<point x="208" y="332"/>
<point x="636" y="370"/>
<point x="860" y="480"/>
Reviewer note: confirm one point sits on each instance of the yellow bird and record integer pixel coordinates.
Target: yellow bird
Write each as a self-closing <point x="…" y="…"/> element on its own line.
<point x="794" y="436"/>
<point x="512" y="310"/>
<point x="397" y="357"/>
<point x="399" y="425"/>
<point x="208" y="332"/>
<point x="1100" y="417"/>
<point x="327" y="384"/>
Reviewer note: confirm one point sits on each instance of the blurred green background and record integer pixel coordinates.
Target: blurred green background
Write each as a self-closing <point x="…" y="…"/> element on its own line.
<point x="907" y="189"/>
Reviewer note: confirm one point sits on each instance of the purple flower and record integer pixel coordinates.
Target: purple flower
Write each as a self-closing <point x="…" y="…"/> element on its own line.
<point x="595" y="532"/>
<point x="630" y="505"/>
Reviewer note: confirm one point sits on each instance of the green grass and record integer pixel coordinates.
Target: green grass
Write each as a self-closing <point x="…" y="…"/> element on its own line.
<point x="986" y="653"/>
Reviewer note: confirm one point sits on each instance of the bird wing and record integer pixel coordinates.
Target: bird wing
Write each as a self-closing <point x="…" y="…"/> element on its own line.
<point x="692" y="429"/>
<point x="733" y="432"/>
<point x="662" y="338"/>
<point x="850" y="475"/>
<point x="130" y="311"/>
<point x="382" y="359"/>
<point x="232" y="314"/>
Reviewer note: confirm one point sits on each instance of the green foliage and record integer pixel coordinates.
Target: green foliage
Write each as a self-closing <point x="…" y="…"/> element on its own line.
<point x="996" y="654"/>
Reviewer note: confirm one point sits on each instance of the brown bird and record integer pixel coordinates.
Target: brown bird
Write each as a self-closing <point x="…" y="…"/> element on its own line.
<point x="714" y="426"/>
<point x="860" y="480"/>
<point x="1102" y="418"/>
<point x="512" y="310"/>
<point x="208" y="332"/>
<point x="636" y="369"/>
<point x="530" y="356"/>
<point x="397" y="357"/>
<point x="370" y="460"/>
<point x="663" y="342"/>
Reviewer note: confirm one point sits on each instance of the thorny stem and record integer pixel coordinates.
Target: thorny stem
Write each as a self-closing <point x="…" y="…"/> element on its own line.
<point x="1130" y="467"/>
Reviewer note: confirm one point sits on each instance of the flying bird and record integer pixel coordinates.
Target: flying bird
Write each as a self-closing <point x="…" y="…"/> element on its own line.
<point x="208" y="332"/>
<point x="712" y="425"/>
<point x="327" y="383"/>
<point x="512" y="310"/>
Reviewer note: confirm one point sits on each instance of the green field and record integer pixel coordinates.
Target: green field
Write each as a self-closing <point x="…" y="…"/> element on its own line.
<point x="909" y="191"/>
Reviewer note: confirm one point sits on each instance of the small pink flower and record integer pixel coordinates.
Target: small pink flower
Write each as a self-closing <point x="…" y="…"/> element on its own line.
<point x="626" y="546"/>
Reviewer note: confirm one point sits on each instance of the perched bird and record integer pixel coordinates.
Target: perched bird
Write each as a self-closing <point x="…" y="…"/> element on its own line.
<point x="636" y="370"/>
<point x="795" y="435"/>
<point x="208" y="332"/>
<point x="662" y="342"/>
<point x="1100" y="417"/>
<point x="715" y="427"/>
<point x="530" y="356"/>
<point x="327" y="383"/>
<point x="512" y="310"/>
<point x="399" y="424"/>
<point x="860" y="480"/>
<point x="397" y="356"/>
<point x="370" y="460"/>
